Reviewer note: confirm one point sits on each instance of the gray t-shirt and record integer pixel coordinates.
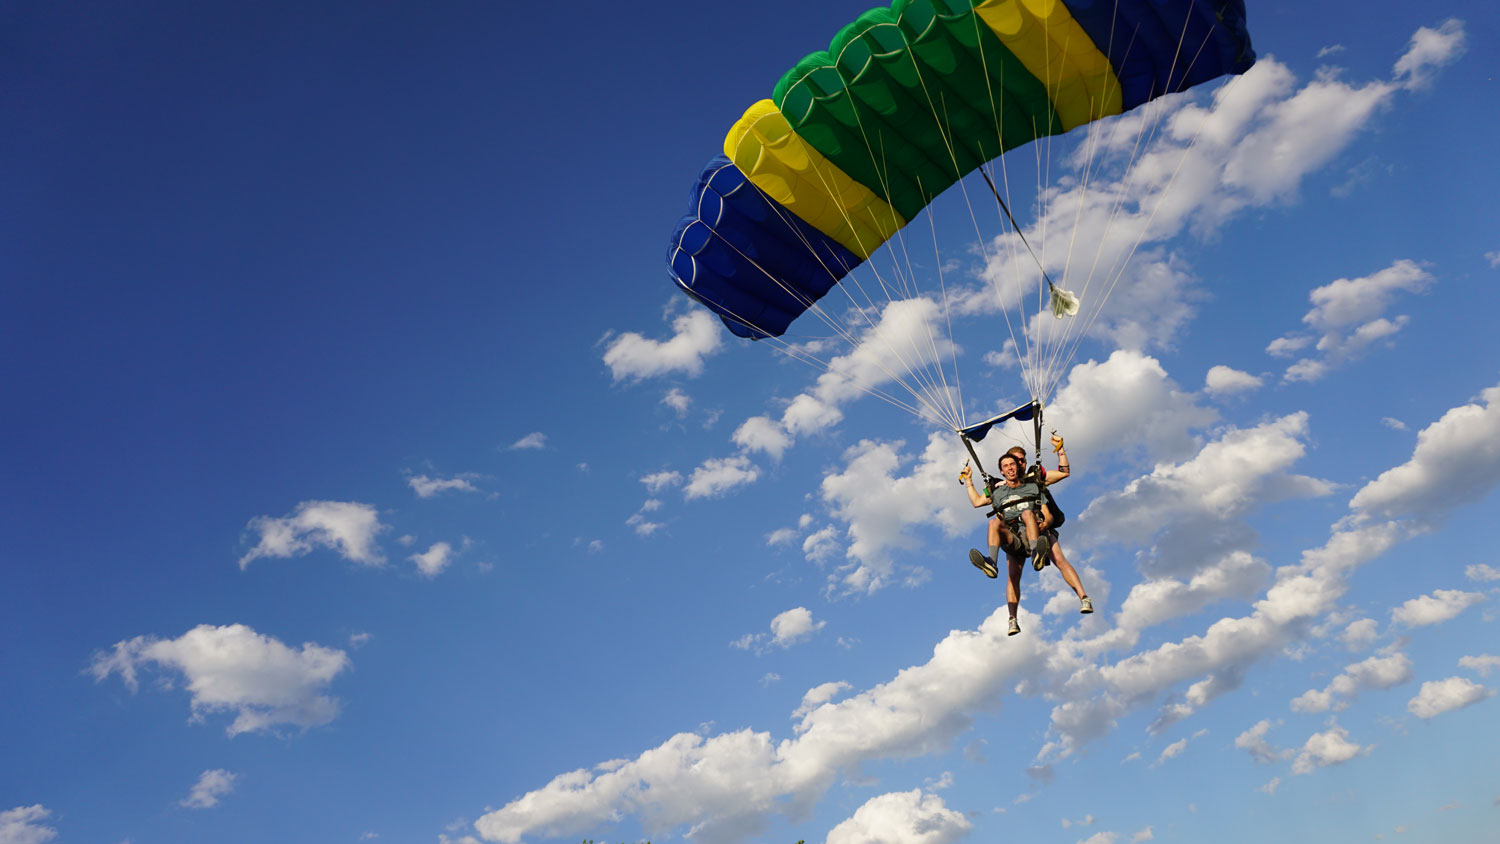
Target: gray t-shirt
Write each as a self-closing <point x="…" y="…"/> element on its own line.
<point x="1012" y="501"/>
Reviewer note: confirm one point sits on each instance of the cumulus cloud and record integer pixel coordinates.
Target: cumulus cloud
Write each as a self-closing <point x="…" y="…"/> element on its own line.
<point x="1440" y="606"/>
<point x="903" y="817"/>
<point x="23" y="825"/>
<point x="346" y="527"/>
<point x="210" y="787"/>
<point x="1482" y="573"/>
<point x="432" y="561"/>
<point x="787" y="629"/>
<point x="718" y="476"/>
<point x="534" y="441"/>
<point x="696" y="336"/>
<point x="1480" y="664"/>
<point x="1172" y="750"/>
<point x="426" y="487"/>
<point x="1197" y="500"/>
<point x="819" y="695"/>
<point x="1456" y="460"/>
<point x="1439" y="696"/>
<point x="658" y="481"/>
<point x="1254" y="742"/>
<point x="1430" y="49"/>
<point x="1347" y="317"/>
<point x="1359" y="634"/>
<point x="1331" y="747"/>
<point x="1223" y="381"/>
<point x="261" y="681"/>
<point x="723" y="787"/>
<point x="1377" y="672"/>
<point x="761" y="433"/>
<point x="678" y="401"/>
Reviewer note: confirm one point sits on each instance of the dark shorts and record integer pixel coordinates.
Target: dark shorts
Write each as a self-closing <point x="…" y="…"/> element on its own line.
<point x="1017" y="546"/>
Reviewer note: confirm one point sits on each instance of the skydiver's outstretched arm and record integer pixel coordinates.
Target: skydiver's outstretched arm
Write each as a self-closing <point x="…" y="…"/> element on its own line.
<point x="1062" y="471"/>
<point x="967" y="476"/>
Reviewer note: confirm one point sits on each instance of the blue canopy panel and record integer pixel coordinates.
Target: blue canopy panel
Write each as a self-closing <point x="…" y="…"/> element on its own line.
<point x="1154" y="52"/>
<point x="748" y="259"/>
<point x="1024" y="413"/>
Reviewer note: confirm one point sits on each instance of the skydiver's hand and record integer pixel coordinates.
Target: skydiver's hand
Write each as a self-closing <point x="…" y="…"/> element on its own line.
<point x="964" y="475"/>
<point x="1057" y="443"/>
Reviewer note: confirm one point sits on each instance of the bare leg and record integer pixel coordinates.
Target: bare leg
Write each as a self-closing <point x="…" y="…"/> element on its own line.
<point x="1013" y="584"/>
<point x="994" y="536"/>
<point x="1064" y="568"/>
<point x="1030" y="519"/>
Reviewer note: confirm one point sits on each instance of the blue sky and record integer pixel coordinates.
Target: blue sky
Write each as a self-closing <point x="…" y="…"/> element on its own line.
<point x="367" y="480"/>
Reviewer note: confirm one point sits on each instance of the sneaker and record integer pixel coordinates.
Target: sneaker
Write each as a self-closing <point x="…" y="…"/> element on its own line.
<point x="1015" y="626"/>
<point x="1085" y="605"/>
<point x="1040" y="559"/>
<point x="983" y="563"/>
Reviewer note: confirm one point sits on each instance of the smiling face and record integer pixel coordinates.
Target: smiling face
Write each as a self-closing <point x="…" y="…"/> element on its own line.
<point x="1010" y="469"/>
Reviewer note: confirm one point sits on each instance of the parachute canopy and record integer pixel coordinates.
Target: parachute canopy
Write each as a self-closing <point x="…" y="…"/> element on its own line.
<point x="858" y="139"/>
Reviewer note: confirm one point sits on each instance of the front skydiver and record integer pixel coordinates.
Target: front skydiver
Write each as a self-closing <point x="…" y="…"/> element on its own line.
<point x="1019" y="510"/>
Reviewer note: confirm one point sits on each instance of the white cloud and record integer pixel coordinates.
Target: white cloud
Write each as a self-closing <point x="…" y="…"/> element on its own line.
<point x="211" y="786"/>
<point x="1144" y="835"/>
<point x="1482" y="573"/>
<point x="534" y="441"/>
<point x="343" y="526"/>
<point x="819" y="695"/>
<point x="1285" y="346"/>
<point x="903" y="817"/>
<point x="761" y="433"/>
<point x="1493" y="258"/>
<point x="432" y="561"/>
<point x="1456" y="461"/>
<point x="1254" y="742"/>
<point x="726" y="784"/>
<point x="1359" y="634"/>
<point x="1172" y="750"/>
<point x="1430" y="49"/>
<point x="643" y="526"/>
<point x="793" y="625"/>
<point x="1393" y="423"/>
<point x="719" y="475"/>
<point x="1439" y="696"/>
<point x="1223" y="381"/>
<point x="23" y="825"/>
<point x="234" y="669"/>
<point x="426" y="487"/>
<point x="658" y="481"/>
<point x="1331" y="747"/>
<point x="1377" y="672"/>
<point x="1271" y="785"/>
<point x="1480" y="664"/>
<point x="1199" y="499"/>
<point x="787" y="629"/>
<point x="821" y="545"/>
<point x="1348" y="317"/>
<point x="781" y="536"/>
<point x="697" y="335"/>
<point x="1436" y="608"/>
<point x="678" y="401"/>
